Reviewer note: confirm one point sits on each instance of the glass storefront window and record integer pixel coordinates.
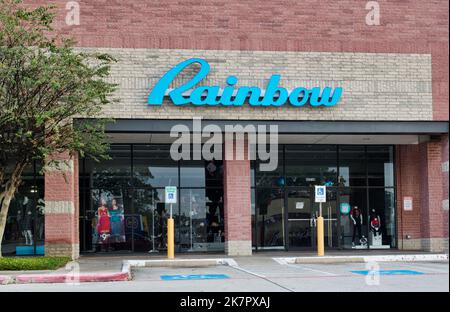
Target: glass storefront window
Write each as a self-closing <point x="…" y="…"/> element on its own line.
<point x="270" y="218"/>
<point x="110" y="220"/>
<point x="381" y="218"/>
<point x="134" y="179"/>
<point x="192" y="173"/>
<point x="356" y="176"/>
<point x="302" y="218"/>
<point x="380" y="164"/>
<point x="153" y="166"/>
<point x="112" y="173"/>
<point x="309" y="165"/>
<point x="253" y="216"/>
<point x="352" y="166"/>
<point x="273" y="178"/>
<point x="25" y="224"/>
<point x="201" y="220"/>
<point x="353" y="218"/>
<point x="150" y="217"/>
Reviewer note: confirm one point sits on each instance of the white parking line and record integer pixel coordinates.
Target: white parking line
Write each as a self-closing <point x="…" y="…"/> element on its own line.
<point x="247" y="271"/>
<point x="422" y="268"/>
<point x="310" y="269"/>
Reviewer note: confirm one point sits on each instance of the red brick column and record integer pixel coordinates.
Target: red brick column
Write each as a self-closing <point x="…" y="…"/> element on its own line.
<point x="421" y="175"/>
<point x="432" y="213"/>
<point x="445" y="187"/>
<point x="408" y="185"/>
<point x="61" y="208"/>
<point x="237" y="202"/>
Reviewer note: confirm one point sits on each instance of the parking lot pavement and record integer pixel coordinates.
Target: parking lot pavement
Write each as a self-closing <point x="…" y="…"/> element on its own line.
<point x="268" y="275"/>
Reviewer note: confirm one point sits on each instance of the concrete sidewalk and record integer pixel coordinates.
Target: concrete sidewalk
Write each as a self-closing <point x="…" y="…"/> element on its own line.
<point x="108" y="268"/>
<point x="84" y="270"/>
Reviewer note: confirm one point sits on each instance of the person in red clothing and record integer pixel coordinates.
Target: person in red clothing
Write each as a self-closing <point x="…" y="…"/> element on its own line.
<point x="104" y="224"/>
<point x="375" y="223"/>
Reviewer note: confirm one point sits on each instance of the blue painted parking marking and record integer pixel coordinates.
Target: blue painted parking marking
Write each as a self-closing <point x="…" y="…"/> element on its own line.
<point x="388" y="272"/>
<point x="193" y="277"/>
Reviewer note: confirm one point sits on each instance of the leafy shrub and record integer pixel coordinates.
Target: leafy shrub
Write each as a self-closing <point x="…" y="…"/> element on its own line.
<point x="35" y="263"/>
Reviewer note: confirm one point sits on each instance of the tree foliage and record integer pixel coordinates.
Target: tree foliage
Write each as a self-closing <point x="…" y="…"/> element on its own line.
<point x="45" y="82"/>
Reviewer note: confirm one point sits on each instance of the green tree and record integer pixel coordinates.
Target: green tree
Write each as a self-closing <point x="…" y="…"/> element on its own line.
<point x="44" y="84"/>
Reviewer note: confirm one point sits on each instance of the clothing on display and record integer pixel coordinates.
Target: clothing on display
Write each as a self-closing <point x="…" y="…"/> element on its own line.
<point x="376" y="239"/>
<point x="104" y="224"/>
<point x="117" y="225"/>
<point x="27" y="222"/>
<point x="375" y="223"/>
<point x="357" y="222"/>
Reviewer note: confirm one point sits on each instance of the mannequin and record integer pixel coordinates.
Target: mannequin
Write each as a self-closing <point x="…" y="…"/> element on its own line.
<point x="103" y="225"/>
<point x="27" y="223"/>
<point x="40" y="218"/>
<point x="357" y="221"/>
<point x="375" y="228"/>
<point x="117" y="222"/>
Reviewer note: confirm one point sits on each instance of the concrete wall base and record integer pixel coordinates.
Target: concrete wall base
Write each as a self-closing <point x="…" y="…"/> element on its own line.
<point x="238" y="248"/>
<point x="424" y="244"/>
<point x="63" y="250"/>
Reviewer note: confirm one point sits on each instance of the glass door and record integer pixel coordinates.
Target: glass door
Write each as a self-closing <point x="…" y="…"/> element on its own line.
<point x="302" y="216"/>
<point x="330" y="216"/>
<point x="270" y="219"/>
<point x="301" y="219"/>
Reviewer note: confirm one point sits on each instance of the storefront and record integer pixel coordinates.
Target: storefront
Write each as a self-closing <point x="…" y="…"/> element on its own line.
<point x="283" y="209"/>
<point x="134" y="181"/>
<point x="231" y="205"/>
<point x="366" y="115"/>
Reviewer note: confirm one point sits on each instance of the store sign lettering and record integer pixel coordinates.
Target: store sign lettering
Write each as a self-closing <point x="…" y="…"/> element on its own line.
<point x="274" y="95"/>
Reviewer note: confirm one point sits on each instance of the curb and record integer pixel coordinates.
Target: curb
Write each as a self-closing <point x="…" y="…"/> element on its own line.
<point x="124" y="275"/>
<point x="4" y="280"/>
<point x="179" y="263"/>
<point x="64" y="278"/>
<point x="362" y="259"/>
<point x="71" y="278"/>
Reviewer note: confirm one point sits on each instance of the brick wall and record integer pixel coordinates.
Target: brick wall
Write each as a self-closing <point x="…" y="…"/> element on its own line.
<point x="409" y="26"/>
<point x="408" y="175"/>
<point x="419" y="175"/>
<point x="61" y="208"/>
<point x="376" y="86"/>
<point x="445" y="184"/>
<point x="237" y="203"/>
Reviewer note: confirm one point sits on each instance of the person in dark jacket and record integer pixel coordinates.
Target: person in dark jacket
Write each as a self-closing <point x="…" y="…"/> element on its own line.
<point x="357" y="221"/>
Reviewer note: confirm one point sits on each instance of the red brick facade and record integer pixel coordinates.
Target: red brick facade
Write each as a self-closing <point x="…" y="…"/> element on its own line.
<point x="445" y="183"/>
<point x="62" y="208"/>
<point x="237" y="203"/>
<point x="408" y="175"/>
<point x="420" y="176"/>
<point x="280" y="25"/>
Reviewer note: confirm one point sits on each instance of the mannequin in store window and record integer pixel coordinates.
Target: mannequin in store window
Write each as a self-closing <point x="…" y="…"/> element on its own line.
<point x="26" y="221"/>
<point x="117" y="219"/>
<point x="104" y="224"/>
<point x="357" y="222"/>
<point x="375" y="223"/>
<point x="375" y="228"/>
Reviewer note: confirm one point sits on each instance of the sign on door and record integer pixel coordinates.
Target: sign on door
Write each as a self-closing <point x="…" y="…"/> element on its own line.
<point x="321" y="194"/>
